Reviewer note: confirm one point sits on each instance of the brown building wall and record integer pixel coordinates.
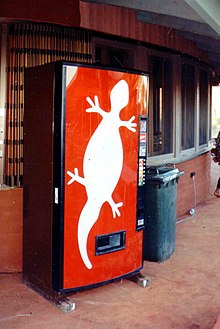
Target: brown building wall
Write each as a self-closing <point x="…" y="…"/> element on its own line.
<point x="123" y="22"/>
<point x="117" y="21"/>
<point x="185" y="195"/>
<point x="108" y="19"/>
<point x="11" y="221"/>
<point x="64" y="12"/>
<point x="11" y="218"/>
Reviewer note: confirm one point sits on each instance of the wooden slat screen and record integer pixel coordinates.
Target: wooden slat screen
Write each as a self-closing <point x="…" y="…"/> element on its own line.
<point x="30" y="45"/>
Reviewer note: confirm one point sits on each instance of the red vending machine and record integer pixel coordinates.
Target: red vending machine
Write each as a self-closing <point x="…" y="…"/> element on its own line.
<point x="85" y="145"/>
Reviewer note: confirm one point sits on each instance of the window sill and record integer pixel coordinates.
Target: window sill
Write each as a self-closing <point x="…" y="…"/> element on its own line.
<point x="182" y="157"/>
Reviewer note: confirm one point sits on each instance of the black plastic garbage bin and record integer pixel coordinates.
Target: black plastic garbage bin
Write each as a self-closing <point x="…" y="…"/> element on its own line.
<point x="160" y="212"/>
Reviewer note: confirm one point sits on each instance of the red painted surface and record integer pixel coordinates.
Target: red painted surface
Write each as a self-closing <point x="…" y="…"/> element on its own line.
<point x="56" y="12"/>
<point x="80" y="126"/>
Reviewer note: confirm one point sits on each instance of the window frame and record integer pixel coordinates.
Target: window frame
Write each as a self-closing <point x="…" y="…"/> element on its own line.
<point x="151" y="151"/>
<point x="141" y="61"/>
<point x="178" y="154"/>
<point x="116" y="45"/>
<point x="186" y="150"/>
<point x="208" y="117"/>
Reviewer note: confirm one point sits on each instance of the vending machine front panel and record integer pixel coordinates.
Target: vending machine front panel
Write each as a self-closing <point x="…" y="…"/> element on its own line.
<point x="101" y="140"/>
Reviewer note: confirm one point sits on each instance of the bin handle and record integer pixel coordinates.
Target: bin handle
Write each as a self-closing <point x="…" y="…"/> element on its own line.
<point x="171" y="164"/>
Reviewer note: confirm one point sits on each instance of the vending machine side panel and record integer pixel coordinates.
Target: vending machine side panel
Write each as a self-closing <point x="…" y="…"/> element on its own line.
<point x="38" y="176"/>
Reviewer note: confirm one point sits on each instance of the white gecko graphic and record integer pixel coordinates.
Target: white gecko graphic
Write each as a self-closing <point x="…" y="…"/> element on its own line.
<point x="102" y="164"/>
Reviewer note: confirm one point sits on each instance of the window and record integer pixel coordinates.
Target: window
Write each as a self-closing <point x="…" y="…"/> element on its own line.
<point x="203" y="106"/>
<point x="117" y="57"/>
<point x="179" y="103"/>
<point x="215" y="110"/>
<point x="161" y="114"/>
<point x="188" y="106"/>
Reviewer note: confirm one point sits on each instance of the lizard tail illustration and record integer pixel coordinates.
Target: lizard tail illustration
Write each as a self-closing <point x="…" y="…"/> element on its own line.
<point x="87" y="219"/>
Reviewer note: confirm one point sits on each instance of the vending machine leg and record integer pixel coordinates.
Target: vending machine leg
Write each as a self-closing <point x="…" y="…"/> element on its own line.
<point x="66" y="305"/>
<point x="140" y="280"/>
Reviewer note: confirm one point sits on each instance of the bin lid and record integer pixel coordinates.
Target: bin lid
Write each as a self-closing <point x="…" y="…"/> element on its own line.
<point x="162" y="174"/>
